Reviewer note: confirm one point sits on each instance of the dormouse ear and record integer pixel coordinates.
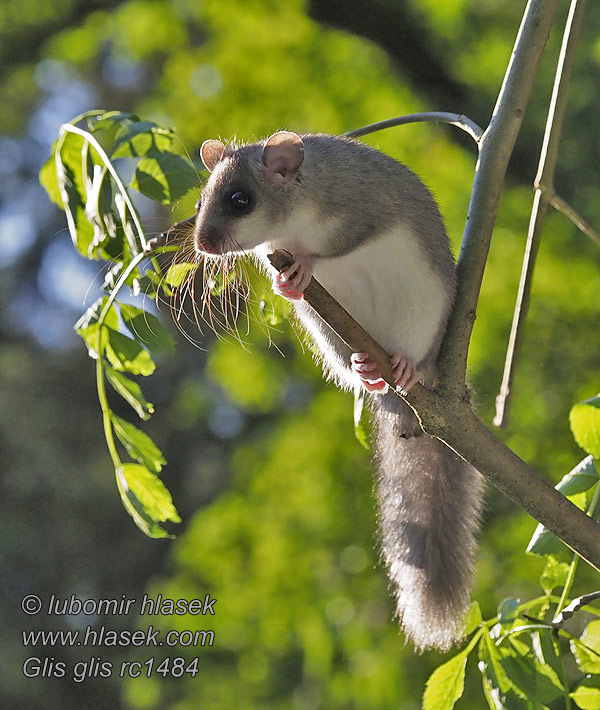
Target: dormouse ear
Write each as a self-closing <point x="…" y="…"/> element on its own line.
<point x="282" y="156"/>
<point x="211" y="153"/>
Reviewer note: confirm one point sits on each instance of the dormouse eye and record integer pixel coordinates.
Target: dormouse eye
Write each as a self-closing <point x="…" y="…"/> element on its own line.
<point x="198" y="205"/>
<point x="239" y="202"/>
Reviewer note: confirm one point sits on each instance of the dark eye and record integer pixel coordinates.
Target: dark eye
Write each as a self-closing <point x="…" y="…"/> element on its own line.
<point x="198" y="205"/>
<point x="239" y="202"/>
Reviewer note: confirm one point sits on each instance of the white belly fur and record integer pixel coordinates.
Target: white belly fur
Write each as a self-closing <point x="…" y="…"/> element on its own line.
<point x="388" y="286"/>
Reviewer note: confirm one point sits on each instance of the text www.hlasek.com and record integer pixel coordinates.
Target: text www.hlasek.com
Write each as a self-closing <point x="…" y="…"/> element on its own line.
<point x="108" y="637"/>
<point x="95" y="636"/>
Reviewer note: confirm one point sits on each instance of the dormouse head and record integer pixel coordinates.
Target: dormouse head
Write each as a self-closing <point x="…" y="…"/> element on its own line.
<point x="247" y="192"/>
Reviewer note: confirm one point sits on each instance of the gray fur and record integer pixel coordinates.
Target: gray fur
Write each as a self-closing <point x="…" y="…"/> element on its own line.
<point x="429" y="498"/>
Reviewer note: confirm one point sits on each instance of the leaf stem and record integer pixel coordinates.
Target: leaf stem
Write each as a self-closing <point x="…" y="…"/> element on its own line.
<point x="106" y="414"/>
<point x="69" y="128"/>
<point x="575" y="561"/>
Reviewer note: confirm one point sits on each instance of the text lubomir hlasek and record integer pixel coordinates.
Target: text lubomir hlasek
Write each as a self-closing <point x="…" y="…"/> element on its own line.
<point x="158" y="605"/>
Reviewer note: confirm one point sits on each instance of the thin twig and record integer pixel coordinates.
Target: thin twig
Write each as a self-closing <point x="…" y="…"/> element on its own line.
<point x="454" y="119"/>
<point x="452" y="420"/>
<point x="495" y="148"/>
<point x="559" y="204"/>
<point x="544" y="189"/>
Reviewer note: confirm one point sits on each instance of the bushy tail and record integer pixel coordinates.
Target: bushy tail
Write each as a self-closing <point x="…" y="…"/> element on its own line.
<point x="429" y="501"/>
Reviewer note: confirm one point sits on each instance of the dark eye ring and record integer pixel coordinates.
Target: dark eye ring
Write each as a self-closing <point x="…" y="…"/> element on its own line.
<point x="239" y="201"/>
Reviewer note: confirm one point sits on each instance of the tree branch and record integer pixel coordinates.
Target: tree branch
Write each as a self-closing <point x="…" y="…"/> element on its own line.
<point x="496" y="147"/>
<point x="544" y="190"/>
<point x="452" y="420"/>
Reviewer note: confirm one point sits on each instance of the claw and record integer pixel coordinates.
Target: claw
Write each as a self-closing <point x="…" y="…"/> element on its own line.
<point x="404" y="372"/>
<point x="368" y="372"/>
<point x="291" y="283"/>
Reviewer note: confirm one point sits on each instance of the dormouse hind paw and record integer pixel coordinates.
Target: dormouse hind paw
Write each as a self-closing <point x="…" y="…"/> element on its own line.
<point x="369" y="373"/>
<point x="404" y="372"/>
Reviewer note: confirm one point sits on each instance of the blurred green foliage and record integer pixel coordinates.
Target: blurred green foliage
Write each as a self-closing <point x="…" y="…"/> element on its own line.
<point x="285" y="532"/>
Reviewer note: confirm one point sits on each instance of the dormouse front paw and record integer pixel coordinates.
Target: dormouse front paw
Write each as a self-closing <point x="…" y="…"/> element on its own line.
<point x="292" y="282"/>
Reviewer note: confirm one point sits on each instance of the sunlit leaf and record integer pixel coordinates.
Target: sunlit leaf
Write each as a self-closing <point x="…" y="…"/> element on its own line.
<point x="538" y="682"/>
<point x="127" y="354"/>
<point x="587" y="693"/>
<point x="584" y="419"/>
<point x="164" y="177"/>
<point x="591" y="635"/>
<point x="361" y="418"/>
<point x="87" y="326"/>
<point x="130" y="391"/>
<point x="446" y="684"/>
<point x="546" y="649"/>
<point x="473" y="618"/>
<point x="580" y="479"/>
<point x="150" y="492"/>
<point x="178" y="273"/>
<point x="49" y="179"/>
<point x="273" y="309"/>
<point x="147" y="328"/>
<point x="490" y="664"/>
<point x="139" y="138"/>
<point x="130" y="479"/>
<point x="507" y="610"/>
<point x="554" y="574"/>
<point x="138" y="444"/>
<point x="71" y="173"/>
<point x="587" y="659"/>
<point x="574" y="485"/>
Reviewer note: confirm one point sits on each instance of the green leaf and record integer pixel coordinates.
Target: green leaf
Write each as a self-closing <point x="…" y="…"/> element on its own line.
<point x="490" y="664"/>
<point x="588" y="661"/>
<point x="361" y="418"/>
<point x="546" y="649"/>
<point x="49" y="179"/>
<point x="473" y="618"/>
<point x="143" y="496"/>
<point x="109" y="119"/>
<point x="587" y="693"/>
<point x="87" y="326"/>
<point x="507" y="610"/>
<point x="178" y="273"/>
<point x="574" y="485"/>
<point x="537" y="682"/>
<point x="272" y="309"/>
<point x="138" y="444"/>
<point x="583" y="477"/>
<point x="543" y="542"/>
<point x="71" y="173"/>
<point x="554" y="574"/>
<point x="164" y="177"/>
<point x="107" y="125"/>
<point x="591" y="635"/>
<point x="584" y="419"/>
<point x="150" y="493"/>
<point x="446" y="684"/>
<point x="141" y="138"/>
<point x="147" y="328"/>
<point x="125" y="353"/>
<point x="130" y="391"/>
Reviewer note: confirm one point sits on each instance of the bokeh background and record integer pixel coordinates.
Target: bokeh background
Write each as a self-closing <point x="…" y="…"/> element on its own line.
<point x="275" y="493"/>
